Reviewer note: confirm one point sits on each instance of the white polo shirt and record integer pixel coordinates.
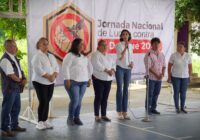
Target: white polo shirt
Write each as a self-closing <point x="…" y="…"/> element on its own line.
<point x="42" y="64"/>
<point x="100" y="62"/>
<point x="76" y="68"/>
<point x="128" y="57"/>
<point x="180" y="64"/>
<point x="7" y="67"/>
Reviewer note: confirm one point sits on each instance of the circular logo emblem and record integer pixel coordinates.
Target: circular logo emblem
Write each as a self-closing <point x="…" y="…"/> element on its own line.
<point x="64" y="29"/>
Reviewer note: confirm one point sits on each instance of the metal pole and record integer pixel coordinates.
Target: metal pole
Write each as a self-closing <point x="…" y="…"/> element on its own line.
<point x="146" y="119"/>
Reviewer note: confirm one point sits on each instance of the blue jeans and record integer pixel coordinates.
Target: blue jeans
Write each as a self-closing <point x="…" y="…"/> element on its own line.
<point x="11" y="106"/>
<point x="76" y="93"/>
<point x="123" y="77"/>
<point x="154" y="91"/>
<point x="180" y="87"/>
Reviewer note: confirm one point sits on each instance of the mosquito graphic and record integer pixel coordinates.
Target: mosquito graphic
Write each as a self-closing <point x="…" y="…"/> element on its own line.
<point x="75" y="28"/>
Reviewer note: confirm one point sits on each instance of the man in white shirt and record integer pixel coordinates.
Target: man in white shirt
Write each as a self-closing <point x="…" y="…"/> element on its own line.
<point x="13" y="82"/>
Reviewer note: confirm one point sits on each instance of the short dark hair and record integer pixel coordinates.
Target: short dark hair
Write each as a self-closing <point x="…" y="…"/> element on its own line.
<point x="181" y="43"/>
<point x="125" y="30"/>
<point x="101" y="42"/>
<point x="8" y="41"/>
<point x="40" y="40"/>
<point x="74" y="47"/>
<point x="154" y="40"/>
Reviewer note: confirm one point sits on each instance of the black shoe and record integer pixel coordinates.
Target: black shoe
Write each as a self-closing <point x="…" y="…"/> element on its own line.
<point x="178" y="111"/>
<point x="106" y="119"/>
<point x="70" y="121"/>
<point x="149" y="113"/>
<point x="19" y="129"/>
<point x="155" y="112"/>
<point x="77" y="121"/>
<point x="184" y="111"/>
<point x="98" y="119"/>
<point x="7" y="133"/>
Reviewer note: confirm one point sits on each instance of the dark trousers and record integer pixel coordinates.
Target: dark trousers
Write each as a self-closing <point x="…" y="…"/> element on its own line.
<point x="154" y="91"/>
<point x="101" y="90"/>
<point x="180" y="88"/>
<point x="44" y="94"/>
<point x="10" y="110"/>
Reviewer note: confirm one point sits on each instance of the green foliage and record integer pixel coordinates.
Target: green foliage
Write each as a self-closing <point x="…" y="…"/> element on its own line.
<point x="187" y="10"/>
<point x="20" y="54"/>
<point x="195" y="37"/>
<point x="4" y="5"/>
<point x="12" y="29"/>
<point x="195" y="65"/>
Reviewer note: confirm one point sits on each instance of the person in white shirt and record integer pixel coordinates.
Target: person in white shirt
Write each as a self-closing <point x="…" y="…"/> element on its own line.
<point x="103" y="74"/>
<point x="77" y="72"/>
<point x="179" y="72"/>
<point x="13" y="81"/>
<point x="123" y="73"/>
<point x="45" y="70"/>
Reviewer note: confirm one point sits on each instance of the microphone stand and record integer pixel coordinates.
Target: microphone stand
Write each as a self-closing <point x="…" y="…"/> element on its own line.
<point x="146" y="118"/>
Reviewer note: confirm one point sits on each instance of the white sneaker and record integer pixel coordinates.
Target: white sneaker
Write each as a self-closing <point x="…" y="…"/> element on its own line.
<point x="48" y="125"/>
<point x="40" y="126"/>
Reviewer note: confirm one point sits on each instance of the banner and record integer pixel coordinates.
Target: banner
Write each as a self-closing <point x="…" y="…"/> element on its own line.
<point x="63" y="20"/>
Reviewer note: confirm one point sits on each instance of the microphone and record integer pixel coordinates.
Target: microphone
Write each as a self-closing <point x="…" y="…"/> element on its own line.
<point x="126" y="45"/>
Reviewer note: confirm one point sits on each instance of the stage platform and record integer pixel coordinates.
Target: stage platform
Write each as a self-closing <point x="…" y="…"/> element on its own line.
<point x="167" y="126"/>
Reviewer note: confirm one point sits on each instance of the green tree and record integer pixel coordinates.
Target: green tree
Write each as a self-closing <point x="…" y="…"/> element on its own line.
<point x="195" y="37"/>
<point x="12" y="28"/>
<point x="189" y="10"/>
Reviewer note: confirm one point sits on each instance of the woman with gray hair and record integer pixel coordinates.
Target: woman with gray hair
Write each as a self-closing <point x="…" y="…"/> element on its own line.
<point x="103" y="74"/>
